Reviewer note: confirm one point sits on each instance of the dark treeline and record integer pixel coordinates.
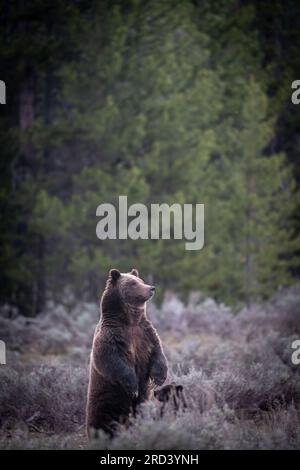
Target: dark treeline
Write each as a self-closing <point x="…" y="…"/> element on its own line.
<point x="163" y="101"/>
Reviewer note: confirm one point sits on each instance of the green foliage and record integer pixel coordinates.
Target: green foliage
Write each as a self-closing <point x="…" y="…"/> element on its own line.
<point x="160" y="101"/>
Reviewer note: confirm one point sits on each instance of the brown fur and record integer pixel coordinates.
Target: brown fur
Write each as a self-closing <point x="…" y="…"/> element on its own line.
<point x="127" y="359"/>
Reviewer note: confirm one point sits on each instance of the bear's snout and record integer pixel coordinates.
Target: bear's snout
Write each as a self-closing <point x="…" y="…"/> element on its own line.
<point x="152" y="290"/>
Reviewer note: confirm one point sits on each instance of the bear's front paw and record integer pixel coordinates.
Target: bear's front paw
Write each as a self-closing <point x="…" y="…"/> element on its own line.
<point x="159" y="373"/>
<point x="130" y="384"/>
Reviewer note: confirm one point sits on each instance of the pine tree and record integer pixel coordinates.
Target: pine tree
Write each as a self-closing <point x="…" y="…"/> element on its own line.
<point x="258" y="249"/>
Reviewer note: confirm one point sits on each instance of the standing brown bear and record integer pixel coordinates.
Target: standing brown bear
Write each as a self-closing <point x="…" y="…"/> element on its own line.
<point x="127" y="357"/>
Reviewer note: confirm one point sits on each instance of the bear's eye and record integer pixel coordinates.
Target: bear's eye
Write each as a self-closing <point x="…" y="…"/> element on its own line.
<point x="131" y="283"/>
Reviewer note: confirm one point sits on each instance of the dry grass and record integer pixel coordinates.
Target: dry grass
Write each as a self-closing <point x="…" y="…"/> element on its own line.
<point x="241" y="387"/>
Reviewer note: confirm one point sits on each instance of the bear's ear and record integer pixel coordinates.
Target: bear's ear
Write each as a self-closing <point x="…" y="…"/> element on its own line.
<point x="114" y="274"/>
<point x="135" y="272"/>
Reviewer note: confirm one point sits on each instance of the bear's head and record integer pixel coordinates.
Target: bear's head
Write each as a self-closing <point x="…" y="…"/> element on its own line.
<point x="125" y="293"/>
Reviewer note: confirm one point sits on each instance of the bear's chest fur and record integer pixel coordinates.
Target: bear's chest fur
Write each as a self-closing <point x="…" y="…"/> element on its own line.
<point x="138" y="349"/>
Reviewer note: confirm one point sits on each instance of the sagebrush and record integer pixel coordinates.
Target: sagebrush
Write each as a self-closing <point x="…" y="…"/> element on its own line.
<point x="241" y="387"/>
